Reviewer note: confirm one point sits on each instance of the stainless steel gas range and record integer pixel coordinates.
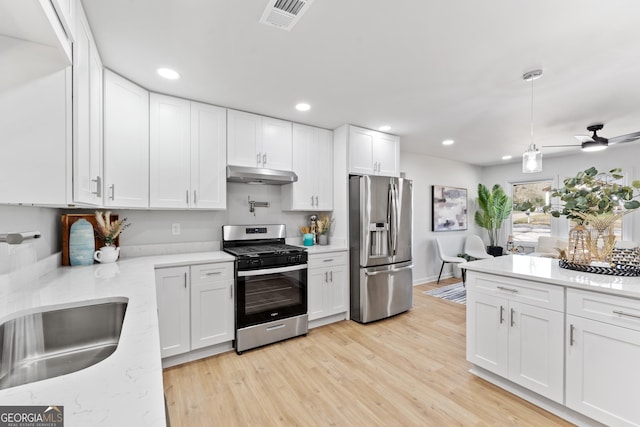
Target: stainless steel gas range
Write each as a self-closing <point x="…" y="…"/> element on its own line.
<point x="271" y="284"/>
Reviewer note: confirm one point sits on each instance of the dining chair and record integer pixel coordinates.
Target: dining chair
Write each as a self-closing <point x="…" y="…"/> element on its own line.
<point x="474" y="247"/>
<point x="447" y="259"/>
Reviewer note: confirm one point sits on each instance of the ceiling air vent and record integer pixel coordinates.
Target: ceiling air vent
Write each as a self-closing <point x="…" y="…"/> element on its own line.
<point x="284" y="14"/>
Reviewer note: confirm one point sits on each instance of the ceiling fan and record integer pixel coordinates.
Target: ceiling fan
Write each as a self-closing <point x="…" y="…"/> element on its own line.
<point x="596" y="142"/>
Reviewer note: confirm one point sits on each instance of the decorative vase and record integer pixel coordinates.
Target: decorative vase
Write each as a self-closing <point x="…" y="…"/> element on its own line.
<point x="307" y="239"/>
<point x="602" y="235"/>
<point x="495" y="250"/>
<point x="107" y="254"/>
<point x="81" y="243"/>
<point x="323" y="239"/>
<point x="579" y="250"/>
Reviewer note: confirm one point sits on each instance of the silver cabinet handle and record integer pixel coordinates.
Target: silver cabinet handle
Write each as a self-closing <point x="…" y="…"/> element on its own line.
<point x="501" y="315"/>
<point x="231" y="291"/>
<point x="327" y="260"/>
<point x="113" y="192"/>
<point x="622" y="313"/>
<point x="195" y="197"/>
<point x="331" y="276"/>
<point x="258" y="159"/>
<point x="513" y="312"/>
<point x="379" y="164"/>
<point x="502" y="288"/>
<point x="571" y="329"/>
<point x="98" y="182"/>
<point x="187" y="193"/>
<point x="317" y="204"/>
<point x="311" y="200"/>
<point x="213" y="273"/>
<point x="325" y="277"/>
<point x="185" y="280"/>
<point x="264" y="159"/>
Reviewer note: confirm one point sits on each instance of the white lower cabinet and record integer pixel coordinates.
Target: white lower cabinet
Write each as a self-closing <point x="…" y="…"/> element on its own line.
<point x="328" y="287"/>
<point x="195" y="307"/>
<point x="603" y="350"/>
<point x="172" y="289"/>
<point x="512" y="334"/>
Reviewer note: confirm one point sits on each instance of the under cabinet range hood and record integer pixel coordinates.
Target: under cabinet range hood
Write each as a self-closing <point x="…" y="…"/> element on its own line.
<point x="249" y="175"/>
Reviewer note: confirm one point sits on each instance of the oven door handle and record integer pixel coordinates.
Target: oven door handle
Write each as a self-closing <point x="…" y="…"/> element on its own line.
<point x="277" y="270"/>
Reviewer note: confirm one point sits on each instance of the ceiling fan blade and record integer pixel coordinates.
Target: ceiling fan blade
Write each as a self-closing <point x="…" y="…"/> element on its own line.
<point x="554" y="146"/>
<point x="624" y="138"/>
<point x="584" y="138"/>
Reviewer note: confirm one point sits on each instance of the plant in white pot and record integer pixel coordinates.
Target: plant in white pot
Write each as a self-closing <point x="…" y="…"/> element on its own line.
<point x="494" y="208"/>
<point x="108" y="231"/>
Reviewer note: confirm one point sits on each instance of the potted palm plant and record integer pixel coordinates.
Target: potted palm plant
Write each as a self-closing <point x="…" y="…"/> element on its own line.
<point x="495" y="207"/>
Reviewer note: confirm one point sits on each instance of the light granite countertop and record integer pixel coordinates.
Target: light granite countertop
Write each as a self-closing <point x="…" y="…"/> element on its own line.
<point x="547" y="270"/>
<point x="126" y="388"/>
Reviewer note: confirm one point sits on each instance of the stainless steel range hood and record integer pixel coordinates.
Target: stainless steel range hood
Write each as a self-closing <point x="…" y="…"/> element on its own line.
<point x="250" y="175"/>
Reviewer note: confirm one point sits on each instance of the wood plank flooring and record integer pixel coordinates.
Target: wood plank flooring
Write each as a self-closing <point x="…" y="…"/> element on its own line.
<point x="409" y="370"/>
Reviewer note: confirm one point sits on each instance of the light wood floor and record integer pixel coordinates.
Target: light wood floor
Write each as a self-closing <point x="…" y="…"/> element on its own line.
<point x="409" y="370"/>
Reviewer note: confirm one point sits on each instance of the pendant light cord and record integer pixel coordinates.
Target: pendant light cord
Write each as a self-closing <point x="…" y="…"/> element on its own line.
<point x="532" y="113"/>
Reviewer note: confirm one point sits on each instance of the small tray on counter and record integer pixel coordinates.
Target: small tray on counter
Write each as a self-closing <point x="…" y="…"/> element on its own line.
<point x="617" y="270"/>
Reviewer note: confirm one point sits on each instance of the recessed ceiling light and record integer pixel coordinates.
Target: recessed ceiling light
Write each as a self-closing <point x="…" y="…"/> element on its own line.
<point x="168" y="73"/>
<point x="507" y="157"/>
<point x="447" y="142"/>
<point x="384" y="128"/>
<point x="303" y="107"/>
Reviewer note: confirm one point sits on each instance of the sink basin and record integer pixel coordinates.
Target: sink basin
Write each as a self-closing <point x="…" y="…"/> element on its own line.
<point x="51" y="343"/>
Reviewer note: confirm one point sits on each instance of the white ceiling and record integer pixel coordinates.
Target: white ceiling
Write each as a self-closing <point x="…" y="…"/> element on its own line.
<point x="431" y="69"/>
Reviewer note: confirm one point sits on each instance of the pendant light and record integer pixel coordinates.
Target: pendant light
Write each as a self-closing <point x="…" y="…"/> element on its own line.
<point x="532" y="158"/>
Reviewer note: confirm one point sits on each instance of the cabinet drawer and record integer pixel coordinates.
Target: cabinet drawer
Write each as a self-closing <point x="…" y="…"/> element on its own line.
<point x="615" y="310"/>
<point x="529" y="292"/>
<point x="328" y="259"/>
<point x="211" y="272"/>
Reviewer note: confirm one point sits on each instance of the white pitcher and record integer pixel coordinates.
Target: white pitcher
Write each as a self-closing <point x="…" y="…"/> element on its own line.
<point x="106" y="254"/>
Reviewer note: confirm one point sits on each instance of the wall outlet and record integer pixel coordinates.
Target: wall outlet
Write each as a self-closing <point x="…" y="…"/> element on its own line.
<point x="175" y="229"/>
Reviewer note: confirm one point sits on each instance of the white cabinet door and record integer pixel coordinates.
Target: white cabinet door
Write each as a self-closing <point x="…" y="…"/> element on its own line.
<point x="602" y="371"/>
<point x="172" y="289"/>
<point x="208" y="156"/>
<point x="487" y="332"/>
<point x="170" y="153"/>
<point x="276" y="144"/>
<point x="322" y="163"/>
<point x="87" y="114"/>
<point x="361" y="151"/>
<point x="244" y="141"/>
<point x="386" y="154"/>
<point x="126" y="143"/>
<point x="337" y="289"/>
<point x="212" y="304"/>
<point x="536" y="349"/>
<point x="316" y="292"/>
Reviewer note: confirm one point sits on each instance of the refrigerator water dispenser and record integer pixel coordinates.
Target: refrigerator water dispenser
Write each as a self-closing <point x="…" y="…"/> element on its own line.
<point x="379" y="238"/>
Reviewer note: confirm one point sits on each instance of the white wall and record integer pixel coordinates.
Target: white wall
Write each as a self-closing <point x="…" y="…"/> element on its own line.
<point x="624" y="156"/>
<point x="426" y="171"/>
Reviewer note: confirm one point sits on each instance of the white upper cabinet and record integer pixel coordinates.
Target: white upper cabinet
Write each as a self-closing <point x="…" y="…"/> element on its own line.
<point x="257" y="141"/>
<point x="170" y="151"/>
<point x="187" y="154"/>
<point x="87" y="114"/>
<point x="373" y="153"/>
<point x="208" y="156"/>
<point x="313" y="163"/>
<point x="126" y="143"/>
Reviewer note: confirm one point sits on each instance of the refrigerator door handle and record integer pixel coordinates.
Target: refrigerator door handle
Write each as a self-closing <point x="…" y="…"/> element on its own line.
<point x="390" y="217"/>
<point x="394" y="270"/>
<point x="394" y="220"/>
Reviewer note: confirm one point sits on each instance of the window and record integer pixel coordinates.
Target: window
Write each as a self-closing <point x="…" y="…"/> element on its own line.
<point x="528" y="220"/>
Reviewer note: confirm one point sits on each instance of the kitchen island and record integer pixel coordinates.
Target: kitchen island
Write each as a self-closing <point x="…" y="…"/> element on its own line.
<point x="564" y="340"/>
<point x="126" y="388"/>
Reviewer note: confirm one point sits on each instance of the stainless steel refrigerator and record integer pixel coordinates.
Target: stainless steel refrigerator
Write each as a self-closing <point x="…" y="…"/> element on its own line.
<point x="381" y="268"/>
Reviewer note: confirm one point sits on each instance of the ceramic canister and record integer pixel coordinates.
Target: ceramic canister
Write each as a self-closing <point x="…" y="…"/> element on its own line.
<point x="81" y="243"/>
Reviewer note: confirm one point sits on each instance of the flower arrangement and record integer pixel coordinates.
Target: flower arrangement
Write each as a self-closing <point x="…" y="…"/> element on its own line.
<point x="109" y="230"/>
<point x="324" y="223"/>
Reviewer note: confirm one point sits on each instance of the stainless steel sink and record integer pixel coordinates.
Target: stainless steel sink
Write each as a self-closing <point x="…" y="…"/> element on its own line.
<point x="48" y="344"/>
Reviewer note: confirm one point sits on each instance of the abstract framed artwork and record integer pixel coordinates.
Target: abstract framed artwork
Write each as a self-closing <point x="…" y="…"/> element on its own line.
<point x="449" y="212"/>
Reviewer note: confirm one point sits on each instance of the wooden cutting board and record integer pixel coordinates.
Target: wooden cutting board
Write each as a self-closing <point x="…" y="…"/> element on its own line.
<point x="67" y="220"/>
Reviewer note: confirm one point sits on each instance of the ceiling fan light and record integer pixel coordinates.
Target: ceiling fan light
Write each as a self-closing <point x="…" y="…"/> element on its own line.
<point x="532" y="160"/>
<point x="590" y="147"/>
